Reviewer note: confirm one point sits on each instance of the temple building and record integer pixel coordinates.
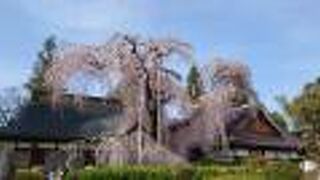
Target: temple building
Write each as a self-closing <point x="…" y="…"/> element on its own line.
<point x="41" y="130"/>
<point x="38" y="131"/>
<point x="250" y="131"/>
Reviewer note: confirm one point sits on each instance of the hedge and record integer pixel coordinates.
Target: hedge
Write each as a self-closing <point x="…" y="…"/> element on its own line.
<point x="270" y="172"/>
<point x="28" y="175"/>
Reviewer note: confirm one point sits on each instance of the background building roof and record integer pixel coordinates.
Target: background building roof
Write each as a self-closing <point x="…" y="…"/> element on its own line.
<point x="67" y="121"/>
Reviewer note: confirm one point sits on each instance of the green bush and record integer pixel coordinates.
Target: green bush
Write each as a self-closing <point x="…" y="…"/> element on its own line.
<point x="125" y="172"/>
<point x="28" y="175"/>
<point x="282" y="171"/>
<point x="274" y="171"/>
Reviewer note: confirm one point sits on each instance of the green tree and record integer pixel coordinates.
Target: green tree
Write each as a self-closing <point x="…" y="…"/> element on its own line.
<point x="293" y="126"/>
<point x="306" y="108"/>
<point x="37" y="86"/>
<point x="279" y="120"/>
<point x="194" y="81"/>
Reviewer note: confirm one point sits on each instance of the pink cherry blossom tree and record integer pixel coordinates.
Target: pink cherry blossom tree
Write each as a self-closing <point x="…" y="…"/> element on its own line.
<point x="144" y="82"/>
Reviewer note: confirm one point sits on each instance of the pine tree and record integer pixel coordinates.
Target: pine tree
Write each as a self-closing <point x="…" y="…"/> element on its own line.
<point x="36" y="86"/>
<point x="194" y="81"/>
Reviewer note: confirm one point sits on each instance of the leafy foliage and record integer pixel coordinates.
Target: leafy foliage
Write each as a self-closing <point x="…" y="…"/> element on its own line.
<point x="306" y="109"/>
<point x="279" y="120"/>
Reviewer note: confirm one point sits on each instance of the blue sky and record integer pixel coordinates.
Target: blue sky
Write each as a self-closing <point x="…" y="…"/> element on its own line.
<point x="278" y="39"/>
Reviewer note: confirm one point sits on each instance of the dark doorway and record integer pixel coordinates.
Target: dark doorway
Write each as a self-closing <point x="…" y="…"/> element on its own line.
<point x="89" y="157"/>
<point x="37" y="156"/>
<point x="195" y="153"/>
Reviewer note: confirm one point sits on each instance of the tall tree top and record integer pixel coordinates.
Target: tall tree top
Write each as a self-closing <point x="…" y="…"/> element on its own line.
<point x="36" y="86"/>
<point x="195" y="88"/>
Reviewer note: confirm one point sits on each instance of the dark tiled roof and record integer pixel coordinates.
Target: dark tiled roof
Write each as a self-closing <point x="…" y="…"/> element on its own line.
<point x="236" y="121"/>
<point x="64" y="122"/>
<point x="241" y="136"/>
